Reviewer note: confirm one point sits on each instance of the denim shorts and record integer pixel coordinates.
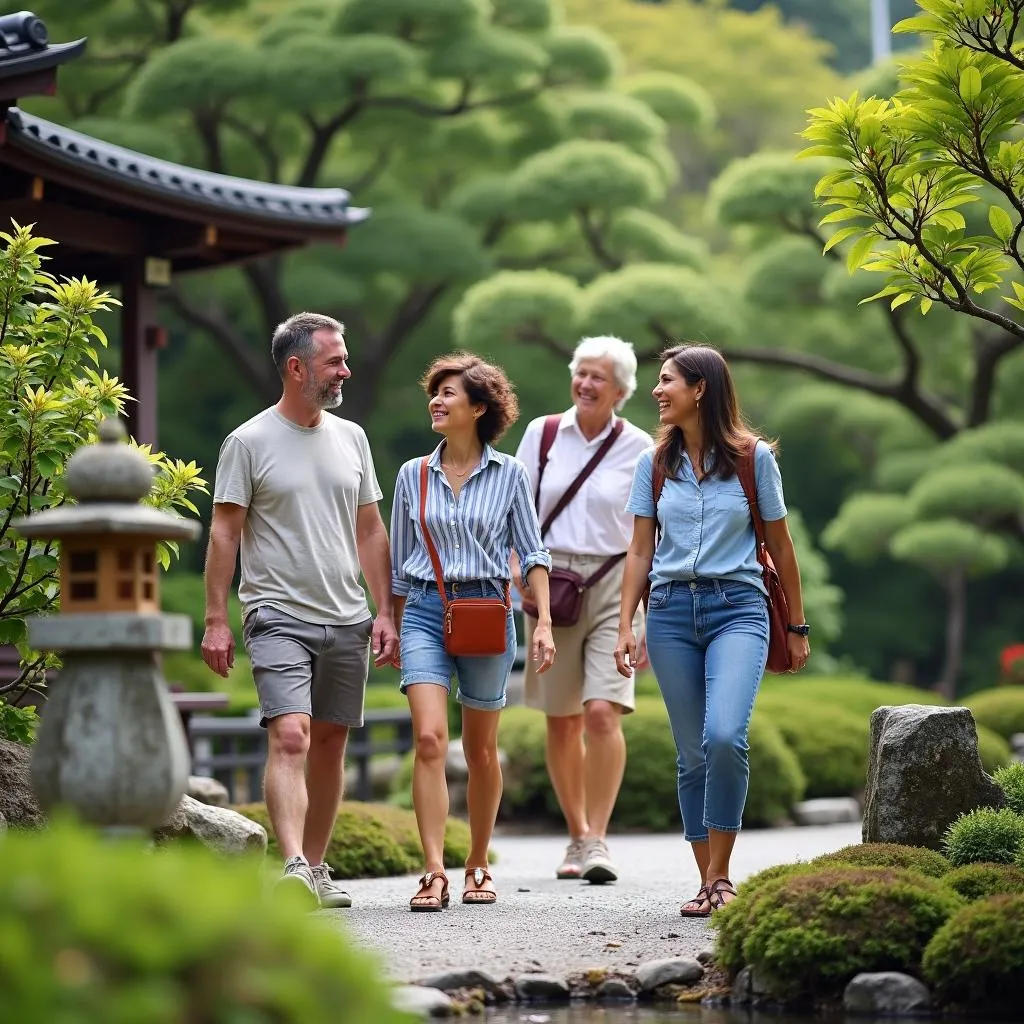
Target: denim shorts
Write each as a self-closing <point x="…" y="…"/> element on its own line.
<point x="482" y="681"/>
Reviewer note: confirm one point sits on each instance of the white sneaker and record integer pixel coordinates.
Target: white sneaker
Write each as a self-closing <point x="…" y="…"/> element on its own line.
<point x="572" y="863"/>
<point x="331" y="894"/>
<point x="597" y="865"/>
<point x="298" y="872"/>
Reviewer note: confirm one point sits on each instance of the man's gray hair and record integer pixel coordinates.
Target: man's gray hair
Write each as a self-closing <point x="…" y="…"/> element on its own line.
<point x="621" y="355"/>
<point x="294" y="337"/>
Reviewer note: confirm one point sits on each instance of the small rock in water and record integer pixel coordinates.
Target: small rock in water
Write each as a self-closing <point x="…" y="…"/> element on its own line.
<point x="678" y="971"/>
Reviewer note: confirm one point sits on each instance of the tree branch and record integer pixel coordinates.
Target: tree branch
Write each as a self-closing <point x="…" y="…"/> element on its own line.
<point x="988" y="353"/>
<point x="264" y="276"/>
<point x="596" y="242"/>
<point x="323" y="136"/>
<point x="213" y="321"/>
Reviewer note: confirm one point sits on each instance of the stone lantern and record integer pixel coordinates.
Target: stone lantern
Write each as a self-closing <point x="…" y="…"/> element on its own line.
<point x="110" y="743"/>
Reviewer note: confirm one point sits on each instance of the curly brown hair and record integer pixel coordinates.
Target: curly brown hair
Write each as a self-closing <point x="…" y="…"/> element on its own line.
<point x="485" y="384"/>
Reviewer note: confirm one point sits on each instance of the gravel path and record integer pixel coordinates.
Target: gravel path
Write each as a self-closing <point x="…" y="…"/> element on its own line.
<point x="542" y="924"/>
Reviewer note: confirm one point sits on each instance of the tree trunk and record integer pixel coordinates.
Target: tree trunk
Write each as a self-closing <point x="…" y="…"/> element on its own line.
<point x="363" y="391"/>
<point x="956" y="627"/>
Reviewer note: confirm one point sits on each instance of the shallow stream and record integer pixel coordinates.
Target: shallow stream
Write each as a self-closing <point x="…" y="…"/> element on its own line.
<point x="592" y="1014"/>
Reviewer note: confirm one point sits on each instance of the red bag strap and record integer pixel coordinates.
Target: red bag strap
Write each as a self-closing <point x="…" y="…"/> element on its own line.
<point x="435" y="560"/>
<point x="573" y="488"/>
<point x="745" y="472"/>
<point x="547" y="439"/>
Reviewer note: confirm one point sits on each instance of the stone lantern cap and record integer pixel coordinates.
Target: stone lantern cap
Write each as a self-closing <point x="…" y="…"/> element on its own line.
<point x="108" y="479"/>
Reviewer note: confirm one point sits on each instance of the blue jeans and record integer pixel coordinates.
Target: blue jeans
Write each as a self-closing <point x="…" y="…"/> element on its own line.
<point x="483" y="682"/>
<point x="708" y="644"/>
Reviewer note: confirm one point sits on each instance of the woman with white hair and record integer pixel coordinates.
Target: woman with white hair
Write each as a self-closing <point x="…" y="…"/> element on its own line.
<point x="581" y="465"/>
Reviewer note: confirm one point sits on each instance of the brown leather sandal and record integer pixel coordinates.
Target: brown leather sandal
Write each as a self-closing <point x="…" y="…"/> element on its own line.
<point x="478" y="894"/>
<point x="428" y="900"/>
<point x="700" y="899"/>
<point x="717" y="892"/>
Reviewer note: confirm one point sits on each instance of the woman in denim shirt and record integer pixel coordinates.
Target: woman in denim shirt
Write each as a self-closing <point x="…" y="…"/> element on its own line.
<point x="707" y="624"/>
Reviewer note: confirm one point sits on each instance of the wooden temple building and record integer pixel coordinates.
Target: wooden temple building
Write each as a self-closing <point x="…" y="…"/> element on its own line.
<point x="130" y="220"/>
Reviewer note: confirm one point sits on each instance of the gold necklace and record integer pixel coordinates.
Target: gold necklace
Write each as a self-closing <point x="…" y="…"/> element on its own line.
<point x="452" y="469"/>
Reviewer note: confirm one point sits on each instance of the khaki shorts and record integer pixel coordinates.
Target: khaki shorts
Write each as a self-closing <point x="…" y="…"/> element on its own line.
<point x="584" y="667"/>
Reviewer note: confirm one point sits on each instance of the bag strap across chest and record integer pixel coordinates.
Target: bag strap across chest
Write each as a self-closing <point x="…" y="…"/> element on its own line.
<point x="435" y="559"/>
<point x="547" y="439"/>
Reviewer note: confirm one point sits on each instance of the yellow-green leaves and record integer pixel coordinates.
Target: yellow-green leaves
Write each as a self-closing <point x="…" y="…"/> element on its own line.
<point x="970" y="84"/>
<point x="860" y="251"/>
<point x="1001" y="222"/>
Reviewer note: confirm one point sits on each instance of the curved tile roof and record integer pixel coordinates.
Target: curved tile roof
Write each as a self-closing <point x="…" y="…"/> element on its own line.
<point x="93" y="159"/>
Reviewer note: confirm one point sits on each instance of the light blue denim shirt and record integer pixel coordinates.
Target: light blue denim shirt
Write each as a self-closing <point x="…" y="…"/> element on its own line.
<point x="473" y="533"/>
<point x="706" y="529"/>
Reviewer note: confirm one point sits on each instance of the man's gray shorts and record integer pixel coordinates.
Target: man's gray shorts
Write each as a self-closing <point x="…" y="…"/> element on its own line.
<point x="300" y="667"/>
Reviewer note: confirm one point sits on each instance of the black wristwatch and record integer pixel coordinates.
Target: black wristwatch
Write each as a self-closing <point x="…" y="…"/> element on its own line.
<point x="802" y="630"/>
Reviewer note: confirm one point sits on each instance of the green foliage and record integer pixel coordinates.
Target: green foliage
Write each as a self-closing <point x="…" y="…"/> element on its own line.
<point x="812" y="932"/>
<point x="948" y="545"/>
<point x="732" y="922"/>
<point x="375" y="840"/>
<point x="860" y="696"/>
<point x="984" y="834"/>
<point x="1010" y="779"/>
<point x="976" y="955"/>
<point x="788" y="272"/>
<point x="98" y="931"/>
<point x="888" y="855"/>
<point x="640" y="236"/>
<point x="979" y="881"/>
<point x="1001" y="710"/>
<point x="866" y="524"/>
<point x="776" y="779"/>
<point x="17" y="724"/>
<point x="831" y="746"/>
<point x="54" y="397"/>
<point x="969" y="490"/>
<point x="675" y="99"/>
<point x="993" y="750"/>
<point x="767" y="188"/>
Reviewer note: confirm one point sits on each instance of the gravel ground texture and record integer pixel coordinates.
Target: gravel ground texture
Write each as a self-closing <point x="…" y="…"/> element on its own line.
<point x="541" y="924"/>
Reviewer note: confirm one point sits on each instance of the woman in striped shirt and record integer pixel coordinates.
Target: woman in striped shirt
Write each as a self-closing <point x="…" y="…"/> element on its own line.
<point x="478" y="509"/>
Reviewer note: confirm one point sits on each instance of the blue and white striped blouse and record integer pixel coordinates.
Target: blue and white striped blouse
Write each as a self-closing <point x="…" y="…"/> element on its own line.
<point x="474" y="534"/>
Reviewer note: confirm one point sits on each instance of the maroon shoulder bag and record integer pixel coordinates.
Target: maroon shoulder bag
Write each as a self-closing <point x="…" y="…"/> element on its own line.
<point x="566" y="586"/>
<point x="778" y="608"/>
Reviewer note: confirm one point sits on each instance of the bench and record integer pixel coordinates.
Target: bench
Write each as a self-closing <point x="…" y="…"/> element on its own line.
<point x="234" y="750"/>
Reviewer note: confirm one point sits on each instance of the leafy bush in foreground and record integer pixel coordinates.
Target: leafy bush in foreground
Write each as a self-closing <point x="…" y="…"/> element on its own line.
<point x="102" y="932"/>
<point x="979" y="881"/>
<point x="1010" y="780"/>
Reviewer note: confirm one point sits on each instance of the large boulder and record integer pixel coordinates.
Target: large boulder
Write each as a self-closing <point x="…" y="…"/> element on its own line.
<point x="218" y="828"/>
<point x="923" y="773"/>
<point x="18" y="805"/>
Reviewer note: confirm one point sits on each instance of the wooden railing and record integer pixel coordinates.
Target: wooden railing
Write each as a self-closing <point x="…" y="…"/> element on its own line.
<point x="234" y="750"/>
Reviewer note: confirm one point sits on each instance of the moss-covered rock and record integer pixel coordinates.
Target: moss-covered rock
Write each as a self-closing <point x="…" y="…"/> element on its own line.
<point x="888" y="855"/>
<point x="810" y="933"/>
<point x="985" y="834"/>
<point x="979" y="881"/>
<point x="375" y="840"/>
<point x="101" y="932"/>
<point x="976" y="956"/>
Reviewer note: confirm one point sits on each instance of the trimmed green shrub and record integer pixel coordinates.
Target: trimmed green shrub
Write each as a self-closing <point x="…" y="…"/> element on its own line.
<point x="976" y="955"/>
<point x="830" y="743"/>
<point x="732" y="922"/>
<point x="1010" y="779"/>
<point x="648" y="798"/>
<point x="375" y="840"/>
<point x="993" y="750"/>
<point x="984" y="834"/>
<point x="101" y="932"/>
<point x="861" y="696"/>
<point x="1001" y="710"/>
<point x="888" y="855"/>
<point x="979" y="881"/>
<point x="776" y="779"/>
<point x="810" y="933"/>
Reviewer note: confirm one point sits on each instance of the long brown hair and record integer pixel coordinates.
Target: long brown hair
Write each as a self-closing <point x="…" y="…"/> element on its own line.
<point x="726" y="434"/>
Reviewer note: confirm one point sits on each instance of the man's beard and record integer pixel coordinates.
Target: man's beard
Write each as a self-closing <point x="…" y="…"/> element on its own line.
<point x="323" y="396"/>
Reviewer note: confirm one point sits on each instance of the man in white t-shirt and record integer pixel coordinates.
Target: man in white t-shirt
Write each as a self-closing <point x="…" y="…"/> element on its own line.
<point x="296" y="489"/>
